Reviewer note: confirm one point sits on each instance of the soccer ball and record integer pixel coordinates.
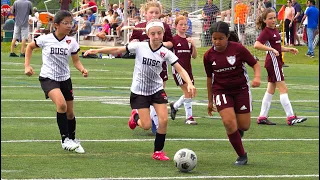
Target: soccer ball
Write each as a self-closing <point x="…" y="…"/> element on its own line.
<point x="185" y="160"/>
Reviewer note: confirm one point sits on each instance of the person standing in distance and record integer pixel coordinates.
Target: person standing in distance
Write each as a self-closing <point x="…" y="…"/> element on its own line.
<point x="228" y="84"/>
<point x="147" y="84"/>
<point x="21" y="10"/>
<point x="54" y="76"/>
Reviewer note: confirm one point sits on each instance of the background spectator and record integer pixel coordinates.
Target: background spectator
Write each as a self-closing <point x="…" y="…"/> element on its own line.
<point x="240" y="20"/>
<point x="64" y="4"/>
<point x="21" y="10"/>
<point x="288" y="22"/>
<point x="296" y="24"/>
<point x="86" y="26"/>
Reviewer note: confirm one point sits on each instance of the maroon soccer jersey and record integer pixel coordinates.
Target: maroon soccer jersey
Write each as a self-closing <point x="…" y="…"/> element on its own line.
<point x="227" y="68"/>
<point x="183" y="50"/>
<point x="271" y="38"/>
<point x="142" y="36"/>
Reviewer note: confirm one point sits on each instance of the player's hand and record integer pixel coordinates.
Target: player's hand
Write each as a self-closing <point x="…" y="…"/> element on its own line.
<point x="28" y="70"/>
<point x="192" y="90"/>
<point x="293" y="51"/>
<point x="84" y="72"/>
<point x="211" y="108"/>
<point x="255" y="82"/>
<point x="275" y="52"/>
<point x="90" y="51"/>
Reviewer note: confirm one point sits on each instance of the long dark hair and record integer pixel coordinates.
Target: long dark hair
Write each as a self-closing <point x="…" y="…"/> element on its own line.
<point x="60" y="15"/>
<point x="223" y="27"/>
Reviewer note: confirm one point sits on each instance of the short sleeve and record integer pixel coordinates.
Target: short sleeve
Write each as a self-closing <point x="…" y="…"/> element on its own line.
<point x="246" y="56"/>
<point x="171" y="58"/>
<point x="40" y="41"/>
<point x="207" y="65"/>
<point x="132" y="46"/>
<point x="75" y="48"/>
<point x="263" y="37"/>
<point x="308" y="12"/>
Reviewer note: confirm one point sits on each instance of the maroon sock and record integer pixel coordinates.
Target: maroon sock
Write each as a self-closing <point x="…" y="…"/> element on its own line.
<point x="235" y="140"/>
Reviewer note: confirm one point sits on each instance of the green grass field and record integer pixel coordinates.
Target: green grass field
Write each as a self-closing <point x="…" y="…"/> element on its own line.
<point x="30" y="146"/>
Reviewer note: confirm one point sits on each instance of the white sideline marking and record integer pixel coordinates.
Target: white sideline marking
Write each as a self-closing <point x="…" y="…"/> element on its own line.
<point x="143" y="140"/>
<point x="89" y="77"/>
<point x="122" y="117"/>
<point x="199" y="177"/>
<point x="171" y="88"/>
<point x="11" y="171"/>
<point x="116" y="98"/>
<point x="92" y="70"/>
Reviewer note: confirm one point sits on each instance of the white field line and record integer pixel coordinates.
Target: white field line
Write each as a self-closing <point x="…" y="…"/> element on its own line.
<point x="171" y="88"/>
<point x="73" y="70"/>
<point x="123" y="117"/>
<point x="89" y="77"/>
<point x="143" y="140"/>
<point x="127" y="99"/>
<point x="11" y="171"/>
<point x="197" y="177"/>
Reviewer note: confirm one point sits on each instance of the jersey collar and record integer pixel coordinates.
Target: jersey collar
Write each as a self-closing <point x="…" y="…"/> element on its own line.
<point x="155" y="49"/>
<point x="54" y="35"/>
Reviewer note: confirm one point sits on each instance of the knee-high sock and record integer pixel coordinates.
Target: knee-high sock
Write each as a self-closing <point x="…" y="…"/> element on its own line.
<point x="63" y="125"/>
<point x="235" y="140"/>
<point x="286" y="104"/>
<point x="154" y="116"/>
<point x="265" y="105"/>
<point x="72" y="128"/>
<point x="188" y="107"/>
<point x="159" y="142"/>
<point x="178" y="103"/>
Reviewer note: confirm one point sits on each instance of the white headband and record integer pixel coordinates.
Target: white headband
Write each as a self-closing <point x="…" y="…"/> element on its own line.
<point x="152" y="24"/>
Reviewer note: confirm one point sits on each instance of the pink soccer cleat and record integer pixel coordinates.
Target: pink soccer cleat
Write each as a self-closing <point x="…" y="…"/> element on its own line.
<point x="132" y="124"/>
<point x="160" y="155"/>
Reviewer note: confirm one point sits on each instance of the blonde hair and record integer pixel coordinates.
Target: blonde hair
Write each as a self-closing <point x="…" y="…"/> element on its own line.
<point x="179" y="18"/>
<point x="151" y="4"/>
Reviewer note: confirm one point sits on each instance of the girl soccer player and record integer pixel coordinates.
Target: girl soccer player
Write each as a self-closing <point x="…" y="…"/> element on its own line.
<point x="269" y="40"/>
<point x="184" y="48"/>
<point x="153" y="11"/>
<point x="54" y="76"/>
<point x="228" y="85"/>
<point x="147" y="85"/>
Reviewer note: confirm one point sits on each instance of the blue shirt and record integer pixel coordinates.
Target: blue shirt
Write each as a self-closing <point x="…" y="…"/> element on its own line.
<point x="92" y="18"/>
<point x="313" y="17"/>
<point x="189" y="30"/>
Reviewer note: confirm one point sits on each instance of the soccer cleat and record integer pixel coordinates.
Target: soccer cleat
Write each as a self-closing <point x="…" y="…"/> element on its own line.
<point x="241" y="132"/>
<point x="173" y="112"/>
<point x="160" y="155"/>
<point x="13" y="55"/>
<point x="22" y="55"/>
<point x="69" y="144"/>
<point x="191" y="121"/>
<point x="241" y="160"/>
<point x="264" y="120"/>
<point x="294" y="120"/>
<point x="154" y="128"/>
<point x="132" y="124"/>
<point x="79" y="149"/>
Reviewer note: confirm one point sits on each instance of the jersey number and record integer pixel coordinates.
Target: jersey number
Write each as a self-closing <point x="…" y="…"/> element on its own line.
<point x="218" y="100"/>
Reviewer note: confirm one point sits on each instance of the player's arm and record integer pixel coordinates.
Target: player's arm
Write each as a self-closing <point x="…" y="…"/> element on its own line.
<point x="194" y="49"/>
<point x="258" y="45"/>
<point x="183" y="73"/>
<point x="168" y="44"/>
<point x="257" y="75"/>
<point x="107" y="50"/>
<point x="28" y="70"/>
<point x="211" y="106"/>
<point x="78" y="65"/>
<point x="291" y="50"/>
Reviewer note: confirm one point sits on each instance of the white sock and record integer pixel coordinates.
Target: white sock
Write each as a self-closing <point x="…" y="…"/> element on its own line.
<point x="154" y="116"/>
<point x="188" y="107"/>
<point x="265" y="105"/>
<point x="178" y="103"/>
<point x="286" y="104"/>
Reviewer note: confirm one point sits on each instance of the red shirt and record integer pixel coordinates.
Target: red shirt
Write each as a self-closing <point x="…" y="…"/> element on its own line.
<point x="227" y="68"/>
<point x="271" y="38"/>
<point x="183" y="51"/>
<point x="94" y="9"/>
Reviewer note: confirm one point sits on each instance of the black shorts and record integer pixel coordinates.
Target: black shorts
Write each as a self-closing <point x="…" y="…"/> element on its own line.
<point x="65" y="86"/>
<point x="140" y="101"/>
<point x="242" y="28"/>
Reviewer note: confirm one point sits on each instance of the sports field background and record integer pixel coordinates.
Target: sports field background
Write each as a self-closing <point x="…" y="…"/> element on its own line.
<point x="30" y="146"/>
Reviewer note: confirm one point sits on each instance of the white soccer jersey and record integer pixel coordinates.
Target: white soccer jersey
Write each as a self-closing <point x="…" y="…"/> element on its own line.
<point x="55" y="56"/>
<point x="148" y="66"/>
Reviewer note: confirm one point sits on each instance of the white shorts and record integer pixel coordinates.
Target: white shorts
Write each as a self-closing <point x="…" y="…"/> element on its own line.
<point x="20" y="32"/>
